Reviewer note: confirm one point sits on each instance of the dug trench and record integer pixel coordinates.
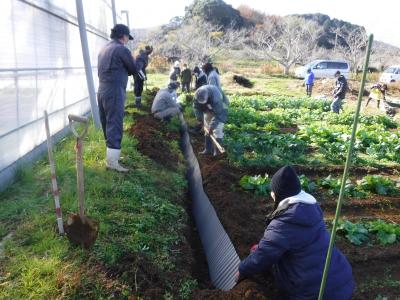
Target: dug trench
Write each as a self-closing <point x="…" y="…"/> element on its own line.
<point x="154" y="141"/>
<point x="243" y="216"/>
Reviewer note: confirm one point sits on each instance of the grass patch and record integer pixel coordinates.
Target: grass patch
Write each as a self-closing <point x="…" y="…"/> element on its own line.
<point x="137" y="215"/>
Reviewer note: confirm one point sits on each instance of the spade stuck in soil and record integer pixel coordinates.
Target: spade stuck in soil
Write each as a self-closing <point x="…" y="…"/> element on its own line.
<point x="81" y="230"/>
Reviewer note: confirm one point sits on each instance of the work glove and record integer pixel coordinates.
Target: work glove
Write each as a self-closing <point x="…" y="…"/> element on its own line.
<point x="211" y="131"/>
<point x="141" y="75"/>
<point x="253" y="248"/>
<point x="238" y="277"/>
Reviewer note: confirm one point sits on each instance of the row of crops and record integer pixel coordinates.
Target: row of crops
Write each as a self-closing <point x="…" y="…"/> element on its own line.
<point x="271" y="131"/>
<point x="264" y="132"/>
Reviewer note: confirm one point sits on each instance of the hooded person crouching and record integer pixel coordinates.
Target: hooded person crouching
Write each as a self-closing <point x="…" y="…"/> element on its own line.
<point x="295" y="244"/>
<point x="210" y="108"/>
<point x="165" y="104"/>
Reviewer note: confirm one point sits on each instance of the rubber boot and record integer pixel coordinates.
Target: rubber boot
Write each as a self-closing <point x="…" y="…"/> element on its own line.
<point x="112" y="160"/>
<point x="138" y="102"/>
<point x="196" y="129"/>
<point x="208" y="146"/>
<point x="216" y="151"/>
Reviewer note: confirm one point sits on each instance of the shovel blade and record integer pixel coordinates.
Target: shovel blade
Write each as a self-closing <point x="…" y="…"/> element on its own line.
<point x="82" y="231"/>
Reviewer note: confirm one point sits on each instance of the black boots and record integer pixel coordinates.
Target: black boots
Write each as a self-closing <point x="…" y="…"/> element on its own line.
<point x="196" y="129"/>
<point x="138" y="102"/>
<point x="208" y="146"/>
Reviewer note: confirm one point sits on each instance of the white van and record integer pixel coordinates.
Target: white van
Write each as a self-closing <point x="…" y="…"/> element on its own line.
<point x="324" y="68"/>
<point x="391" y="74"/>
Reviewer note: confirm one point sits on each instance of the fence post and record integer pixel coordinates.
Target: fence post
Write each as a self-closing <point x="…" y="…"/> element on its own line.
<point x="114" y="12"/>
<point x="88" y="66"/>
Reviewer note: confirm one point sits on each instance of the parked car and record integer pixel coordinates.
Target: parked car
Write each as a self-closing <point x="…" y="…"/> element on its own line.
<point x="324" y="68"/>
<point x="391" y="74"/>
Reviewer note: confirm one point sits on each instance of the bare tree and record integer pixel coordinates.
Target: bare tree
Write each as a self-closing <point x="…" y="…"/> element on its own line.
<point x="356" y="41"/>
<point x="200" y="41"/>
<point x="196" y="41"/>
<point x="288" y="40"/>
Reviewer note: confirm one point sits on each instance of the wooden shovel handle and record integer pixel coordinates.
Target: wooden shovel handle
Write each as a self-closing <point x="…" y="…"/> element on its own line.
<point x="78" y="119"/>
<point x="220" y="148"/>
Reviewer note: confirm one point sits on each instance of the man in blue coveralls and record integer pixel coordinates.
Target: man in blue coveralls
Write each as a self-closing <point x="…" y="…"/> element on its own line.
<point x="115" y="64"/>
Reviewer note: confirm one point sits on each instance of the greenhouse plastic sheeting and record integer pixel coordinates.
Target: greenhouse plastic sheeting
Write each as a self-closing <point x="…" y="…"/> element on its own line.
<point x="221" y="255"/>
<point x="41" y="68"/>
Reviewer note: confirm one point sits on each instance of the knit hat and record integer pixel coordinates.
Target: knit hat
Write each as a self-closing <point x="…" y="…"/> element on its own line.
<point x="285" y="183"/>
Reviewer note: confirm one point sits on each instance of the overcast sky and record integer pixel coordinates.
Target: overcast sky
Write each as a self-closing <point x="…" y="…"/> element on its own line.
<point x="384" y="24"/>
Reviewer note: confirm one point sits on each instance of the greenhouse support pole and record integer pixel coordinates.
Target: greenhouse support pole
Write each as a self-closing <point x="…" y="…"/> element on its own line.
<point x="127" y="17"/>
<point x="114" y="12"/>
<point x="346" y="171"/>
<point x="88" y="65"/>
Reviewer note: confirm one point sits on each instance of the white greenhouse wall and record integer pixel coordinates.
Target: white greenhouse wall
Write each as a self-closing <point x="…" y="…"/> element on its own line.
<point x="41" y="68"/>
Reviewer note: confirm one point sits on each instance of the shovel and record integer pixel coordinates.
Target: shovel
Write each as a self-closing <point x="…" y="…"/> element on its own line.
<point x="81" y="230"/>
<point x="56" y="191"/>
<point x="218" y="145"/>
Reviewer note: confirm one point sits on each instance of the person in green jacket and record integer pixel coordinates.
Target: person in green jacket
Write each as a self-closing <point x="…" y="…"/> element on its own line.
<point x="186" y="78"/>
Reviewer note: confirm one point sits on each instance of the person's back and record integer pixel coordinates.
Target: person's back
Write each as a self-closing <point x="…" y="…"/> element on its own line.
<point x="112" y="68"/>
<point x="213" y="79"/>
<point x="163" y="100"/>
<point x="186" y="75"/>
<point x="341" y="87"/>
<point x="309" y="80"/>
<point x="142" y="60"/>
<point x="295" y="244"/>
<point x="201" y="78"/>
<point x="306" y="247"/>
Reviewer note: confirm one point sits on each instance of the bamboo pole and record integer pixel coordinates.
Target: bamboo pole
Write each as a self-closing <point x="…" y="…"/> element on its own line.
<point x="345" y="172"/>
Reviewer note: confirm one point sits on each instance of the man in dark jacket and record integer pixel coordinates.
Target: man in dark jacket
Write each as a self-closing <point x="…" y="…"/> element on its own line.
<point x="201" y="77"/>
<point x="295" y="244"/>
<point x="210" y="108"/>
<point x="186" y="78"/>
<point x="339" y="93"/>
<point x="142" y="60"/>
<point x="115" y="64"/>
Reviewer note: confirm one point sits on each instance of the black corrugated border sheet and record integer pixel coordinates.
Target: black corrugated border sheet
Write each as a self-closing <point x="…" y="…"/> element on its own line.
<point x="222" y="257"/>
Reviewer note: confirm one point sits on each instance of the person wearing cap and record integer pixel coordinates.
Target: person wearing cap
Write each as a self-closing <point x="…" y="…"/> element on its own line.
<point x="295" y="244"/>
<point x="165" y="104"/>
<point x="339" y="92"/>
<point x="211" y="110"/>
<point x="115" y="64"/>
<point x="201" y="77"/>
<point x="142" y="60"/>
<point x="309" y="82"/>
<point x="175" y="72"/>
<point x="186" y="78"/>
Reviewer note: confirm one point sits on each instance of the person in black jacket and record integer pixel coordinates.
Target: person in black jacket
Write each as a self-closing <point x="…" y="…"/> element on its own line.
<point x="115" y="64"/>
<point x="201" y="77"/>
<point x="142" y="60"/>
<point x="339" y="93"/>
<point x="294" y="246"/>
